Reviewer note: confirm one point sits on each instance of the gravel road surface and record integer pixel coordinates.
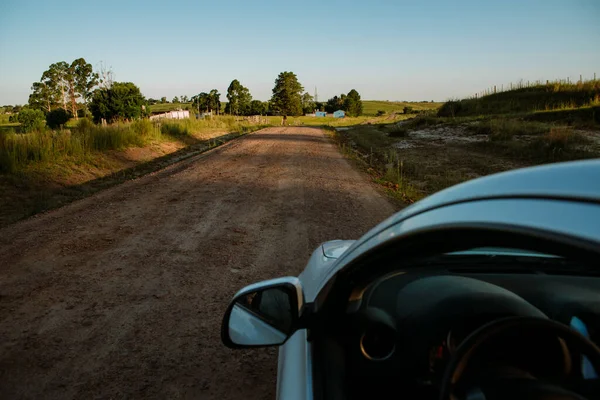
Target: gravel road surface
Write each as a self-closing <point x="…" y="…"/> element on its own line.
<point x="121" y="295"/>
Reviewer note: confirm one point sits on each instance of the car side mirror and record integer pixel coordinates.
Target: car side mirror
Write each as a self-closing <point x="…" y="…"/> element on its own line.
<point x="263" y="314"/>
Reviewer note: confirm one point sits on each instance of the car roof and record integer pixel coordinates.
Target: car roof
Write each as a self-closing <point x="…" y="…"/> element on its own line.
<point x="517" y="197"/>
<point x="577" y="180"/>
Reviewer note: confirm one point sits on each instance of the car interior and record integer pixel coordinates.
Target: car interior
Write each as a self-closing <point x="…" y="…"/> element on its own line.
<point x="514" y="316"/>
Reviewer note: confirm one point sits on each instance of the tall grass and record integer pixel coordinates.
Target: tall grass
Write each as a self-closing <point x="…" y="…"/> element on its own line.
<point x="540" y="97"/>
<point x="18" y="150"/>
<point x="506" y="129"/>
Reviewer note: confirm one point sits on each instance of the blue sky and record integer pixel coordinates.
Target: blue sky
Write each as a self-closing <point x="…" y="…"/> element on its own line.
<point x="388" y="50"/>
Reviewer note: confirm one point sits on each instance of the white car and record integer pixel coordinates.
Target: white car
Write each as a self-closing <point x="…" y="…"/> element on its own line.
<point x="487" y="290"/>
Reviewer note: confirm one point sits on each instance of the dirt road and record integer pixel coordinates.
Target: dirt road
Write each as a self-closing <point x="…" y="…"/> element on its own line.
<point x="121" y="295"/>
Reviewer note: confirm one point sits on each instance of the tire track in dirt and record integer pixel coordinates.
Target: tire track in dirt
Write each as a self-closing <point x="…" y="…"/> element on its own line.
<point x="121" y="295"/>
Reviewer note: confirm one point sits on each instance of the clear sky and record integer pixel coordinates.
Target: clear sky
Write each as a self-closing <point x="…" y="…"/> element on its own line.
<point x="388" y="50"/>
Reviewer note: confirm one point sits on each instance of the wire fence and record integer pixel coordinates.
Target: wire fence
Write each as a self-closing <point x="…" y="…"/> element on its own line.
<point x="522" y="84"/>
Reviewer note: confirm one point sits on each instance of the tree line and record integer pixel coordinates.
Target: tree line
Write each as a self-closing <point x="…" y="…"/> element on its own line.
<point x="71" y="90"/>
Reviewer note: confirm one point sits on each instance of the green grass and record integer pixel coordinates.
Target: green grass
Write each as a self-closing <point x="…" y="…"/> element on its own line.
<point x="535" y="98"/>
<point x="506" y="129"/>
<point x="19" y="150"/>
<point x="371" y="107"/>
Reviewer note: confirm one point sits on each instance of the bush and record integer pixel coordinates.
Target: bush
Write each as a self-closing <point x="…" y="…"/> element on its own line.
<point x="561" y="139"/>
<point x="450" y="109"/>
<point x="503" y="129"/>
<point x="57" y="118"/>
<point x="408" y="110"/>
<point x="380" y="113"/>
<point x="123" y="101"/>
<point x="398" y="131"/>
<point x="31" y="120"/>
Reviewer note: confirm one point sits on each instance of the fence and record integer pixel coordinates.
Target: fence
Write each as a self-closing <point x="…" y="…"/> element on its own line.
<point x="528" y="84"/>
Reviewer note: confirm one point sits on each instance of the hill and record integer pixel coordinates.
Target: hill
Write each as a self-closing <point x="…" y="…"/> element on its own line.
<point x="552" y="101"/>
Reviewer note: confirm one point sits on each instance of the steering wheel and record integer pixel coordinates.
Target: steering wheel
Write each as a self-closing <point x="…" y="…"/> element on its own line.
<point x="521" y="387"/>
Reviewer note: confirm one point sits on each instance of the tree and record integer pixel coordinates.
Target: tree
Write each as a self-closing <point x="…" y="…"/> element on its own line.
<point x="258" y="107"/>
<point x="239" y="99"/>
<point x="206" y="102"/>
<point x="31" y="120"/>
<point x="308" y="103"/>
<point x="175" y="100"/>
<point x="163" y="100"/>
<point x="333" y="104"/>
<point x="353" y="104"/>
<point x="85" y="79"/>
<point x="42" y="97"/>
<point x="287" y="95"/>
<point x="184" y="99"/>
<point x="152" y="101"/>
<point x="105" y="77"/>
<point x="57" y="118"/>
<point x="61" y="83"/>
<point x="214" y="101"/>
<point x="122" y="101"/>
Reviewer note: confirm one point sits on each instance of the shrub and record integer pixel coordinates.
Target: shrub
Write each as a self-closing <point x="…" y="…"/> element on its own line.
<point x="122" y="101"/>
<point x="398" y="131"/>
<point x="57" y="118"/>
<point x="408" y="110"/>
<point x="380" y="113"/>
<point x="561" y="139"/>
<point x="31" y="120"/>
<point x="502" y="129"/>
<point x="450" y="108"/>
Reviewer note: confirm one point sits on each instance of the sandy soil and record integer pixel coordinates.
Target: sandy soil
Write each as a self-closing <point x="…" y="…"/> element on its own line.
<point x="121" y="295"/>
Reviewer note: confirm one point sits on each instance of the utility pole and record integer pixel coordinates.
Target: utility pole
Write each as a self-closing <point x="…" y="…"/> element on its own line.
<point x="316" y="95"/>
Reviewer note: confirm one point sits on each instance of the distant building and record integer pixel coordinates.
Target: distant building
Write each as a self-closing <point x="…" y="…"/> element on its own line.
<point x="339" y="114"/>
<point x="320" y="114"/>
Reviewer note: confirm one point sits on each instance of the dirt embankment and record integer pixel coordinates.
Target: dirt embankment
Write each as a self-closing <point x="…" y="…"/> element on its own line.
<point x="121" y="295"/>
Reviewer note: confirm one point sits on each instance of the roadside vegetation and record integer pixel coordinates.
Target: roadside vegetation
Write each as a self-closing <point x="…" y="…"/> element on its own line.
<point x="466" y="139"/>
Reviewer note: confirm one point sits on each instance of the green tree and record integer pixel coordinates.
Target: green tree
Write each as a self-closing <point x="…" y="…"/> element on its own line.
<point x="333" y="104"/>
<point x="42" y="97"/>
<point x="56" y="78"/>
<point x="238" y="98"/>
<point x="308" y="103"/>
<point x="84" y="79"/>
<point x="184" y="99"/>
<point x="206" y="102"/>
<point x="214" y="101"/>
<point x="175" y="100"/>
<point x="31" y="120"/>
<point x="57" y="118"/>
<point x="163" y="100"/>
<point x="258" y="107"/>
<point x="353" y="104"/>
<point x="287" y="95"/>
<point x="61" y="83"/>
<point x="123" y="100"/>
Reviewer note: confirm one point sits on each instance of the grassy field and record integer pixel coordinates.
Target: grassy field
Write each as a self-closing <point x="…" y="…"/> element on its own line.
<point x="553" y="96"/>
<point x="371" y="107"/>
<point x="43" y="170"/>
